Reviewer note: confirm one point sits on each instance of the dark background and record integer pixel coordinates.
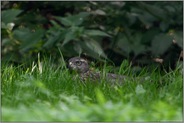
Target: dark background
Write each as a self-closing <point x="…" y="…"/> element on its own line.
<point x="144" y="33"/>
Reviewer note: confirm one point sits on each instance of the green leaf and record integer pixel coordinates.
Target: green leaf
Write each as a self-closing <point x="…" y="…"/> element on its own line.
<point x="100" y="97"/>
<point x="54" y="34"/>
<point x="149" y="35"/>
<point x="68" y="37"/>
<point x="96" y="33"/>
<point x="137" y="45"/>
<point x="9" y="15"/>
<point x="55" y="24"/>
<point x="3" y="25"/>
<point x="98" y="12"/>
<point x="123" y="46"/>
<point x="64" y="21"/>
<point x="77" y="48"/>
<point x="164" y="26"/>
<point x="154" y="10"/>
<point x="72" y="34"/>
<point x="53" y="39"/>
<point x="73" y="20"/>
<point x="93" y="48"/>
<point x="161" y="43"/>
<point x="146" y="18"/>
<point x="6" y="41"/>
<point x="28" y="39"/>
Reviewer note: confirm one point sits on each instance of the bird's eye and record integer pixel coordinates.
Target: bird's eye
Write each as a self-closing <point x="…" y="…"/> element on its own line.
<point x="78" y="63"/>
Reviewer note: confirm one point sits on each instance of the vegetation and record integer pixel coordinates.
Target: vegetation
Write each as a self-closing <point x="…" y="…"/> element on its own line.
<point x="43" y="93"/>
<point x="136" y="39"/>
<point x="137" y="31"/>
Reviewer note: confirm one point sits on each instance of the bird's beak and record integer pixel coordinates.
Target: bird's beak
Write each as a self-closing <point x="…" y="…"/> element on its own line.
<point x="70" y="63"/>
<point x="71" y="66"/>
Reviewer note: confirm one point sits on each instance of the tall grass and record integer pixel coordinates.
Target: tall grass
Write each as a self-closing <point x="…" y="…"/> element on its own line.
<point x="46" y="92"/>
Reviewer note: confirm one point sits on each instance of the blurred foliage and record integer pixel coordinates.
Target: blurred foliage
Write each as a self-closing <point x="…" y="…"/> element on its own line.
<point x="137" y="31"/>
<point x="42" y="93"/>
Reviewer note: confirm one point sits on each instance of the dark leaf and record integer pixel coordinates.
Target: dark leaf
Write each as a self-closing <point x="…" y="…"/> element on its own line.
<point x="161" y="43"/>
<point x="154" y="10"/>
<point x="9" y="15"/>
<point x="78" y="48"/>
<point x="96" y="33"/>
<point x="6" y="41"/>
<point x="164" y="26"/>
<point x="53" y="39"/>
<point x="146" y="18"/>
<point x="92" y="48"/>
<point x="149" y="35"/>
<point x="27" y="38"/>
<point x="73" y="33"/>
<point x="98" y="12"/>
<point x="3" y="25"/>
<point x="73" y="20"/>
<point x="68" y="37"/>
<point x="65" y="21"/>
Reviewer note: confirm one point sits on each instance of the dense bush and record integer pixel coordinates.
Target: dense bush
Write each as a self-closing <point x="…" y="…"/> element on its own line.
<point x="138" y="31"/>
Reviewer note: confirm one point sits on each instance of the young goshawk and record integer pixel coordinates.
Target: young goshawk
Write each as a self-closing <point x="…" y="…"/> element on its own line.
<point x="81" y="66"/>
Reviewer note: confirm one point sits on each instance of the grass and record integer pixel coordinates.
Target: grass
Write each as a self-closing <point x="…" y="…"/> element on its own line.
<point x="45" y="92"/>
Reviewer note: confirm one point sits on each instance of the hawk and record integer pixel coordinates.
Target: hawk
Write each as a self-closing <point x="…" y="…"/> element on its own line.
<point x="81" y="66"/>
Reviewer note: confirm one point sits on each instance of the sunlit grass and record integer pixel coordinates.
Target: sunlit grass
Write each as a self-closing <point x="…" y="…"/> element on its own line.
<point x="45" y="92"/>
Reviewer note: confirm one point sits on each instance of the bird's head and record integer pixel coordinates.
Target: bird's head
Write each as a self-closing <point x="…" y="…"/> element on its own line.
<point x="78" y="64"/>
